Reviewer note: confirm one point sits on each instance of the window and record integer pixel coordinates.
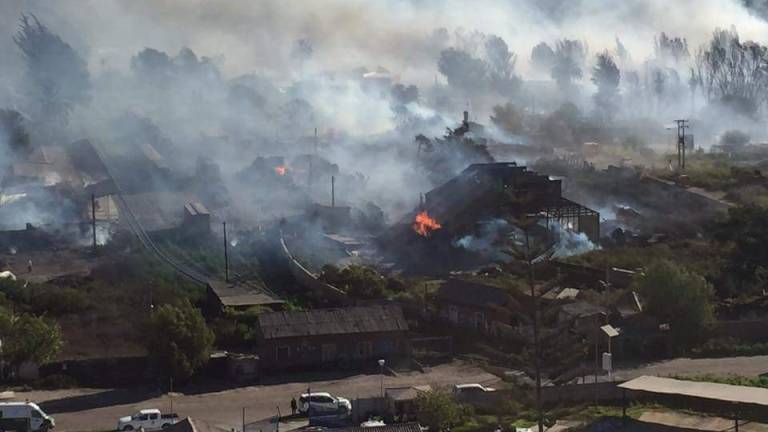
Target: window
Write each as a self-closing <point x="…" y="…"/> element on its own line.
<point x="153" y="416"/>
<point x="283" y="352"/>
<point x="143" y="417"/>
<point x="365" y="349"/>
<point x="37" y="414"/>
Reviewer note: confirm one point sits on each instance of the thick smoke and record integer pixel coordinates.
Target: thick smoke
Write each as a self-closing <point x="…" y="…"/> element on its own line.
<point x="229" y="81"/>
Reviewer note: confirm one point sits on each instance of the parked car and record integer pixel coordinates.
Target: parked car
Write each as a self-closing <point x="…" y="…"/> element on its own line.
<point x="467" y="389"/>
<point x="323" y="402"/>
<point x="149" y="419"/>
<point x="24" y="415"/>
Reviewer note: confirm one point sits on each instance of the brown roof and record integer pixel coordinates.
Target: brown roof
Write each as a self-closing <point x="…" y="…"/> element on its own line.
<point x="316" y="322"/>
<point x="242" y="294"/>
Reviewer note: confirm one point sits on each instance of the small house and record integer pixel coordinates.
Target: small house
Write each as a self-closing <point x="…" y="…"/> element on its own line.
<point x="473" y="306"/>
<point x="343" y="336"/>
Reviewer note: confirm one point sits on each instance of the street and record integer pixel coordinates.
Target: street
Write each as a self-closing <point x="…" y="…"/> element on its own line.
<point x="92" y="409"/>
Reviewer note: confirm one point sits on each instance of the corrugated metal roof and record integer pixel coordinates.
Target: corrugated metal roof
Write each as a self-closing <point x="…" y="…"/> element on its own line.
<point x="369" y="319"/>
<point x="703" y="390"/>
<point x="242" y="294"/>
<point x="401" y="427"/>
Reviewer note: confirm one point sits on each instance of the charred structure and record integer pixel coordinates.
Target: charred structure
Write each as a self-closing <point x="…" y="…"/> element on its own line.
<point x="482" y="196"/>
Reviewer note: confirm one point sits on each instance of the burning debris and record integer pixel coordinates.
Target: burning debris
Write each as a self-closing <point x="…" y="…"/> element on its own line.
<point x="281" y="170"/>
<point x="424" y="224"/>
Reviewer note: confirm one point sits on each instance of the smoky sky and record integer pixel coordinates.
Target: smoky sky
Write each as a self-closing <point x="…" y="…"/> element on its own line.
<point x="246" y="36"/>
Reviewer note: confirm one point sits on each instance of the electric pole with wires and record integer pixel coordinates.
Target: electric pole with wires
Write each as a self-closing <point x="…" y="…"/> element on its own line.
<point x="682" y="125"/>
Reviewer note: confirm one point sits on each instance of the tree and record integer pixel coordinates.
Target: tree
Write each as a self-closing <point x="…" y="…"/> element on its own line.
<point x="569" y="59"/>
<point x="463" y="72"/>
<point x="438" y="410"/>
<point x="357" y="281"/>
<point x="543" y="57"/>
<point x="28" y="339"/>
<point x="508" y="118"/>
<point x="403" y="95"/>
<point x="179" y="340"/>
<point x="671" y="49"/>
<point x="606" y="76"/>
<point x="679" y="297"/>
<point x="745" y="233"/>
<point x="501" y="66"/>
<point x="60" y="78"/>
<point x="735" y="72"/>
<point x="13" y="132"/>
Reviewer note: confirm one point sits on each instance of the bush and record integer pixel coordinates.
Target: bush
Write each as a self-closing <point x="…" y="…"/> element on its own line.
<point x="55" y="382"/>
<point x="58" y="301"/>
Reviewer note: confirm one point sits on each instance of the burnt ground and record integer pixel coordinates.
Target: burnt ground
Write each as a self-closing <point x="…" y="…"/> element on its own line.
<point x="47" y="265"/>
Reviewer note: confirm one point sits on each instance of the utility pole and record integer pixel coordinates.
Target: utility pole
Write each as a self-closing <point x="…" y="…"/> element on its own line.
<point x="333" y="191"/>
<point x="682" y="125"/>
<point x="243" y="419"/>
<point x="226" y="254"/>
<point x="93" y="220"/>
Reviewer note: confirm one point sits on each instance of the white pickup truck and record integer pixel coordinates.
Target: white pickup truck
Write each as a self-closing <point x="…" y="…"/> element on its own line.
<point x="148" y="419"/>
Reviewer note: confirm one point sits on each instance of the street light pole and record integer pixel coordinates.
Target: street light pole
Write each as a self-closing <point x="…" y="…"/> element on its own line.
<point x="381" y="374"/>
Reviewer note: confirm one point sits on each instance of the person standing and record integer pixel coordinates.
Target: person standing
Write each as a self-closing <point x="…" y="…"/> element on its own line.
<point x="294" y="406"/>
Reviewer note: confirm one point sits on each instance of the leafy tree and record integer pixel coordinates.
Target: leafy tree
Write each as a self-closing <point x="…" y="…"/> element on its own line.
<point x="402" y="95"/>
<point x="543" y="57"/>
<point x="152" y="64"/>
<point x="462" y="71"/>
<point x="59" y="75"/>
<point x="179" y="340"/>
<point x="606" y="76"/>
<point x="570" y="56"/>
<point x="678" y="297"/>
<point x="438" y="410"/>
<point x="734" y="139"/>
<point x="501" y="66"/>
<point x="28" y="338"/>
<point x="745" y="231"/>
<point x="357" y="281"/>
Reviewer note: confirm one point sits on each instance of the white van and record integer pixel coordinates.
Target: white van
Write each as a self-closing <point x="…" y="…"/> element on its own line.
<point x="25" y="412"/>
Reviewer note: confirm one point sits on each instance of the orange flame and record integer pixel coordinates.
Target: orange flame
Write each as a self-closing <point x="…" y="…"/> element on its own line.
<point x="281" y="170"/>
<point x="424" y="224"/>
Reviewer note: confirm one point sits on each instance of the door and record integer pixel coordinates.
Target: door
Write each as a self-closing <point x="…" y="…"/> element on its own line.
<point x="36" y="419"/>
<point x="453" y="314"/>
<point x="154" y="421"/>
<point x="329" y="352"/>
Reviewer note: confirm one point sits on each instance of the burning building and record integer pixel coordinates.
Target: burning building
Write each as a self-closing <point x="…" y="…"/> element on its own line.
<point x="479" y="198"/>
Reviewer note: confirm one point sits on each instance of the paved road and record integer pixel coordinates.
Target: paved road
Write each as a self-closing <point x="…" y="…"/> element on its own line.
<point x="745" y="366"/>
<point x="89" y="409"/>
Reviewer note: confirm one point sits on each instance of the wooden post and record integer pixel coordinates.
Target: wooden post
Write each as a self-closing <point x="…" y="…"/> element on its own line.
<point x="624" y="403"/>
<point x="243" y="419"/>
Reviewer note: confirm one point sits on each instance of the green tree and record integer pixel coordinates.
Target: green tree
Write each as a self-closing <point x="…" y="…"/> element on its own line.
<point x="678" y="297"/>
<point x="438" y="410"/>
<point x="28" y="338"/>
<point x="745" y="234"/>
<point x="357" y="281"/>
<point x="606" y="76"/>
<point x="179" y="340"/>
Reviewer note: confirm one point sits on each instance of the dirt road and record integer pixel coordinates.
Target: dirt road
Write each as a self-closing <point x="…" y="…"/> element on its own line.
<point x="745" y="366"/>
<point x="88" y="409"/>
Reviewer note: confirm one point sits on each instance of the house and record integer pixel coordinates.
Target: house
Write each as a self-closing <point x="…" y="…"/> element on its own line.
<point x="337" y="335"/>
<point x="239" y="295"/>
<point x="197" y="218"/>
<point x="585" y="318"/>
<point x="473" y="305"/>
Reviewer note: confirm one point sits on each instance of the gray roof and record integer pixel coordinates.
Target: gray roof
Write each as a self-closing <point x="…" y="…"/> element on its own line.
<point x="317" y="322"/>
<point x="583" y="309"/>
<point x="703" y="390"/>
<point x="459" y="291"/>
<point x="242" y="294"/>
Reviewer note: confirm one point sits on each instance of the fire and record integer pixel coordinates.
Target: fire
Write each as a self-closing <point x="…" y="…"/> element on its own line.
<point x="281" y="170"/>
<point x="424" y="224"/>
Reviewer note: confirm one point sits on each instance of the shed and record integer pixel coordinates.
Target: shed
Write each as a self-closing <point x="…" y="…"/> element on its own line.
<point x="238" y="295"/>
